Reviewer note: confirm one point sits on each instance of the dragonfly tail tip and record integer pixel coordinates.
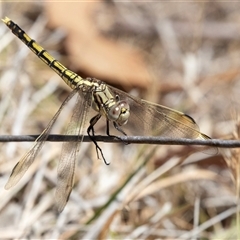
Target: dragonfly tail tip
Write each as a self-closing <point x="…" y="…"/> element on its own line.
<point x="6" y="20"/>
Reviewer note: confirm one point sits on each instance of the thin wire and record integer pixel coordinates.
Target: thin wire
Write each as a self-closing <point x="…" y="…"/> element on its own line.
<point x="221" y="143"/>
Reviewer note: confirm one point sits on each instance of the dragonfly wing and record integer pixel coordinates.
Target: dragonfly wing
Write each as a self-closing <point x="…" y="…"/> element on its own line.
<point x="149" y="119"/>
<point x="163" y="121"/>
<point x="25" y="162"/>
<point x="22" y="166"/>
<point x="67" y="163"/>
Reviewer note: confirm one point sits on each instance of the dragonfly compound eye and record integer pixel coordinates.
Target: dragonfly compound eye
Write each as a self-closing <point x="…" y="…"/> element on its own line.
<point x="119" y="113"/>
<point x="124" y="113"/>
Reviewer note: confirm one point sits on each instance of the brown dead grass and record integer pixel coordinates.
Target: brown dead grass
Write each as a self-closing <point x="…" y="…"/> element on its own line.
<point x="182" y="55"/>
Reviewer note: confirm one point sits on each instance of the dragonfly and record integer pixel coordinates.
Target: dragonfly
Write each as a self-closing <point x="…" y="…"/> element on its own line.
<point x="128" y="114"/>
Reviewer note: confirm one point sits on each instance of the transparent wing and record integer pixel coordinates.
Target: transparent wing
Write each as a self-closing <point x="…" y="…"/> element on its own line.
<point x="22" y="166"/>
<point x="67" y="163"/>
<point x="149" y="119"/>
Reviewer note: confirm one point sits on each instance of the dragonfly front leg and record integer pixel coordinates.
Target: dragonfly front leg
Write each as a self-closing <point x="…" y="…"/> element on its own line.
<point x="119" y="129"/>
<point x="91" y="134"/>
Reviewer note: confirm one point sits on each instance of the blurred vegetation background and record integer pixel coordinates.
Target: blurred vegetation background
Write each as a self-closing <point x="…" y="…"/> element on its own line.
<point x="184" y="55"/>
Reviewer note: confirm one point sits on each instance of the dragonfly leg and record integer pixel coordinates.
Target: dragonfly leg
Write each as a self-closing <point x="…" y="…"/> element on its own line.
<point x="91" y="134"/>
<point x="119" y="129"/>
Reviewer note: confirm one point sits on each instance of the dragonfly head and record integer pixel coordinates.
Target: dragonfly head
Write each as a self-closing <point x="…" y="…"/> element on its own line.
<point x="119" y="113"/>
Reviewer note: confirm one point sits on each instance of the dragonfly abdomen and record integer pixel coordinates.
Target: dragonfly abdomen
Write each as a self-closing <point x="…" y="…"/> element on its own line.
<point x="72" y="79"/>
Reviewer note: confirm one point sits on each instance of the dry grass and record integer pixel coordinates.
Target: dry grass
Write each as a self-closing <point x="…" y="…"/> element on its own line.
<point x="192" y="55"/>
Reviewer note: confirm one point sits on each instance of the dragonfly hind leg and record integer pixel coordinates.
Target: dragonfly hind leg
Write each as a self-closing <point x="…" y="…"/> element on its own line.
<point x="91" y="134"/>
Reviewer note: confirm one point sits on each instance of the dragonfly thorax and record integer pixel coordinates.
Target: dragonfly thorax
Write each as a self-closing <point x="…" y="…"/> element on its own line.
<point x="119" y="112"/>
<point x="109" y="104"/>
